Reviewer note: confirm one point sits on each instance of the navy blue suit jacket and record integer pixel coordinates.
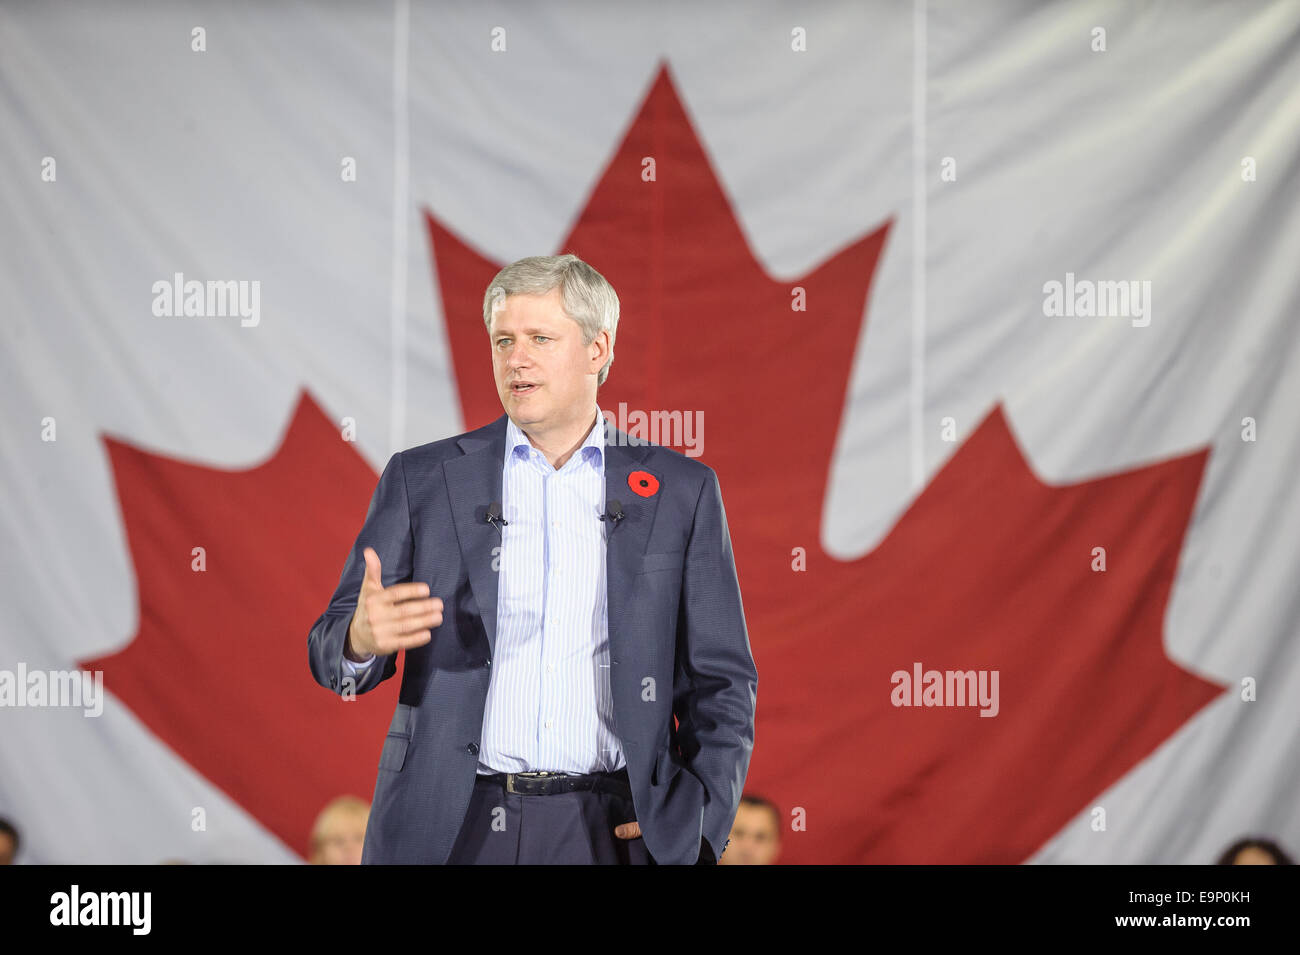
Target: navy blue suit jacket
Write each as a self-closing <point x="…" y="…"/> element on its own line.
<point x="675" y="621"/>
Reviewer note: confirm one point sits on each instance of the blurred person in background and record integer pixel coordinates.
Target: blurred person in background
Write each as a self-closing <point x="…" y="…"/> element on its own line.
<point x="340" y="832"/>
<point x="756" y="833"/>
<point x="1255" y="852"/>
<point x="8" y="842"/>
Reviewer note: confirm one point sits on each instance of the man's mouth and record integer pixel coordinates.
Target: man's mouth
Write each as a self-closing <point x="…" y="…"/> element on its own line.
<point x="523" y="387"/>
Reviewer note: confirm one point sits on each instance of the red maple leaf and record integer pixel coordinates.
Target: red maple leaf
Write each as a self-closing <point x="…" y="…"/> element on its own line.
<point x="218" y="669"/>
<point x="989" y="568"/>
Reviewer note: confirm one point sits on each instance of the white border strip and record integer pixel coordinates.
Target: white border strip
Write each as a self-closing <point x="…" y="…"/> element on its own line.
<point x="920" y="181"/>
<point x="401" y="203"/>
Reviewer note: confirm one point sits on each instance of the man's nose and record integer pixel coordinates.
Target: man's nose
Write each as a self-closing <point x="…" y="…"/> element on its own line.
<point x="517" y="355"/>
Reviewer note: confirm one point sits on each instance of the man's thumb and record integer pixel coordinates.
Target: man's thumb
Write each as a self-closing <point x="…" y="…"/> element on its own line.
<point x="373" y="570"/>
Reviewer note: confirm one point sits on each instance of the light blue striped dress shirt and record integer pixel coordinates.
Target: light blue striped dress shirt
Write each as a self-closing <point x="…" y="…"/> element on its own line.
<point x="549" y="705"/>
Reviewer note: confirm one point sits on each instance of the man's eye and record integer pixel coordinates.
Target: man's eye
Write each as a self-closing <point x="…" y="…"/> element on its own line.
<point x="541" y="338"/>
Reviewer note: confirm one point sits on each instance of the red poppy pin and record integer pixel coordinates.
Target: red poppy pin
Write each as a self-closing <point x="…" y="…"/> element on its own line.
<point x="643" y="483"/>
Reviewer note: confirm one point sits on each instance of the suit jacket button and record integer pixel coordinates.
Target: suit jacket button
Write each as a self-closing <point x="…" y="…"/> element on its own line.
<point x="487" y="662"/>
<point x="472" y="749"/>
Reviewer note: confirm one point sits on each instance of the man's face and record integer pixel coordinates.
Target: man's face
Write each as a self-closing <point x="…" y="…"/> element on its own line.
<point x="534" y="341"/>
<point x="754" y="838"/>
<point x="1253" y="856"/>
<point x="341" y="839"/>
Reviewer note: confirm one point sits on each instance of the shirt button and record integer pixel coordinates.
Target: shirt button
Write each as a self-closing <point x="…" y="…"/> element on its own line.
<point x="549" y="668"/>
<point x="548" y="724"/>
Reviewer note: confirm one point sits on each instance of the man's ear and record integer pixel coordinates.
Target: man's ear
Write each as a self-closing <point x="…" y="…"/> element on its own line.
<point x="601" y="355"/>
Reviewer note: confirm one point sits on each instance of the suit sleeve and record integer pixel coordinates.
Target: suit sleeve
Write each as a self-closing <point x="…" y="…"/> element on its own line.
<point x="716" y="683"/>
<point x="387" y="529"/>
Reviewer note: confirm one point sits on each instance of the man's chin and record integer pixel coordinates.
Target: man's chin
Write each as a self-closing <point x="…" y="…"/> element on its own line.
<point x="523" y="409"/>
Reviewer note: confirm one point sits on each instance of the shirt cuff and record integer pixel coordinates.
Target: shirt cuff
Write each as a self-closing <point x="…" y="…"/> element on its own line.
<point x="354" y="667"/>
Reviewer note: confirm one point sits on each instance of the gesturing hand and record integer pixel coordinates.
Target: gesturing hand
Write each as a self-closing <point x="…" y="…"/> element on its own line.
<point x="388" y="619"/>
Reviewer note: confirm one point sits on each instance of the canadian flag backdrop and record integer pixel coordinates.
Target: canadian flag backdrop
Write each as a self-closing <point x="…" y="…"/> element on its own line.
<point x="834" y="231"/>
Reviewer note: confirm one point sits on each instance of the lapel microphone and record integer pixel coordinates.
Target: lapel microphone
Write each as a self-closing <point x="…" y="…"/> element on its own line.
<point x="614" y="512"/>
<point x="494" y="516"/>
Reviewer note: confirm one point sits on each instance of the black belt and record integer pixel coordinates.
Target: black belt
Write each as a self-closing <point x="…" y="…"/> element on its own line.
<point x="548" y="783"/>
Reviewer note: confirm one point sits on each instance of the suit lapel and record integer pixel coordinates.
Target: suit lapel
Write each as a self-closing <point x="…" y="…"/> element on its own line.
<point x="626" y="540"/>
<point x="474" y="482"/>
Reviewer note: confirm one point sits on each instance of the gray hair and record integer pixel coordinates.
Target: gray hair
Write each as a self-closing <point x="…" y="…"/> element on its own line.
<point x="586" y="296"/>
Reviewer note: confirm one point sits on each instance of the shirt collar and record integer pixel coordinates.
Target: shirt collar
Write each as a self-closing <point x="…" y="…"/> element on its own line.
<point x="592" y="449"/>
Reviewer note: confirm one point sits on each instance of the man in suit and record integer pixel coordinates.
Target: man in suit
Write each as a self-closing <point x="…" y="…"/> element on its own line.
<point x="564" y="594"/>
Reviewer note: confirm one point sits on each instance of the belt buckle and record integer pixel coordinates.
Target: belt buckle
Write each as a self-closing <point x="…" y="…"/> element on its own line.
<point x="510" y="779"/>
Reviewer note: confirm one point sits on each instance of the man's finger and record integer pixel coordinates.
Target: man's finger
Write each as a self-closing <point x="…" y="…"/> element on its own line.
<point x="407" y="591"/>
<point x="389" y="645"/>
<point x="410" y="609"/>
<point x="374" y="572"/>
<point x="401" y="626"/>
